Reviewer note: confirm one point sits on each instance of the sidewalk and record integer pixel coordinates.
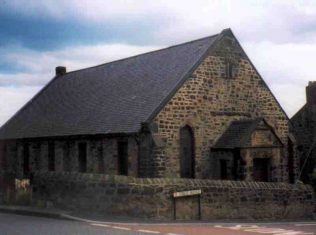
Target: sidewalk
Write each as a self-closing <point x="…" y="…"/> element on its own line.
<point x="108" y="219"/>
<point x="68" y="215"/>
<point x="33" y="211"/>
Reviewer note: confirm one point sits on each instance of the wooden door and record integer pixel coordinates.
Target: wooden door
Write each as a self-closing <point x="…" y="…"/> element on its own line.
<point x="261" y="169"/>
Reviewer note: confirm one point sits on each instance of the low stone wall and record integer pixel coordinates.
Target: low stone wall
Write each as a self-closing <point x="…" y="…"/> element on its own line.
<point x="152" y="198"/>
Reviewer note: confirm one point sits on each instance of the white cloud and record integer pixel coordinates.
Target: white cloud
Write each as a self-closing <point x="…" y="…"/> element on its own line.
<point x="41" y="65"/>
<point x="286" y="68"/>
<point x="253" y="20"/>
<point x="96" y="10"/>
<point x="24" y="79"/>
<point x="12" y="98"/>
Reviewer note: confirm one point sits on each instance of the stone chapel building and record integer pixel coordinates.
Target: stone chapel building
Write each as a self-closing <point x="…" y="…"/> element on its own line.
<point x="195" y="110"/>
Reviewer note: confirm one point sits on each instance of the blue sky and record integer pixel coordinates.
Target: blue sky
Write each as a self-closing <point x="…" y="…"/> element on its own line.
<point x="36" y="36"/>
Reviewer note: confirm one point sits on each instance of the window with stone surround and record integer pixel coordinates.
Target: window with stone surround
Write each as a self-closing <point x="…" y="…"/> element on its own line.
<point x="26" y="159"/>
<point x="229" y="69"/>
<point x="37" y="155"/>
<point x="3" y="160"/>
<point x="82" y="157"/>
<point x="101" y="168"/>
<point x="51" y="156"/>
<point x="187" y="153"/>
<point x="66" y="156"/>
<point x="122" y="150"/>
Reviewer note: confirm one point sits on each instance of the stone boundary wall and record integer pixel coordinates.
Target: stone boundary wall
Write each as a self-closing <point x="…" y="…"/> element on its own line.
<point x="152" y="197"/>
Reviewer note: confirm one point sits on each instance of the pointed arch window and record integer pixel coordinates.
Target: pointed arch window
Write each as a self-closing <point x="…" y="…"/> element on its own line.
<point x="187" y="153"/>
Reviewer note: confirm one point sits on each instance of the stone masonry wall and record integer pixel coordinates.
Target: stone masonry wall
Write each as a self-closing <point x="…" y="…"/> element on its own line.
<point x="152" y="197"/>
<point x="102" y="156"/>
<point x="209" y="101"/>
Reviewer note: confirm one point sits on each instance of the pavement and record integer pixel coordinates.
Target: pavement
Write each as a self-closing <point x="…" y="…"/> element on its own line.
<point x="90" y="217"/>
<point x="33" y="211"/>
<point x="28" y="220"/>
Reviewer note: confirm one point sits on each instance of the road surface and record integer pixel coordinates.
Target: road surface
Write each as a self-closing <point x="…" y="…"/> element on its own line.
<point x="11" y="224"/>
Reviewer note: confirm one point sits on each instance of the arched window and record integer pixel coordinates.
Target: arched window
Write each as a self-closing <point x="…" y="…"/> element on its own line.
<point x="187" y="151"/>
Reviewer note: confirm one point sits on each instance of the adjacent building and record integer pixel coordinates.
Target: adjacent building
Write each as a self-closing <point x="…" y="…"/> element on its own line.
<point x="304" y="127"/>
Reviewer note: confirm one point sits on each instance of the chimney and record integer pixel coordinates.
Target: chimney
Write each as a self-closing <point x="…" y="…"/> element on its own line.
<point x="60" y="70"/>
<point x="311" y="93"/>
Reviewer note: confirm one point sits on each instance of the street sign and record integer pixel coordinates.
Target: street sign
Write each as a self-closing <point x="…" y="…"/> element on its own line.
<point x="187" y="193"/>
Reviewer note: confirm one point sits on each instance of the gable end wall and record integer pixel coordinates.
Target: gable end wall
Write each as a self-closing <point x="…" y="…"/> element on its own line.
<point x="209" y="101"/>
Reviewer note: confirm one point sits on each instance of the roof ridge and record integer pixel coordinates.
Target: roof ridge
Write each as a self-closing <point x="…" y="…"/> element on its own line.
<point x="149" y="52"/>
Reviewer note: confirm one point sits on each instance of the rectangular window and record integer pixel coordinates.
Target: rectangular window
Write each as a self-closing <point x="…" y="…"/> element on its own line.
<point x="51" y="156"/>
<point x="26" y="159"/>
<point x="223" y="167"/>
<point x="66" y="156"/>
<point x="229" y="70"/>
<point x="122" y="149"/>
<point x="82" y="157"/>
<point x="101" y="168"/>
<point x="4" y="156"/>
<point x="37" y="155"/>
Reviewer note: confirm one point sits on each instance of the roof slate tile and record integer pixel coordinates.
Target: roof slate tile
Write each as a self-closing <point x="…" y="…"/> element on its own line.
<point x="115" y="97"/>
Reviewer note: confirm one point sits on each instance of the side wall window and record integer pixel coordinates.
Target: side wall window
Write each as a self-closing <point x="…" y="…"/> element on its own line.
<point x="51" y="156"/>
<point x="101" y="167"/>
<point x="37" y="155"/>
<point x="26" y="159"/>
<point x="3" y="155"/>
<point x="66" y="156"/>
<point x="122" y="150"/>
<point x="82" y="157"/>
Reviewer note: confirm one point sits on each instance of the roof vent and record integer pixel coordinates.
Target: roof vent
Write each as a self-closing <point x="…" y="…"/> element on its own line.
<point x="60" y="70"/>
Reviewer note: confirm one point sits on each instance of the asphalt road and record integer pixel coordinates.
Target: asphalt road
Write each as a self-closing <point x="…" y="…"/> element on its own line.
<point x="11" y="224"/>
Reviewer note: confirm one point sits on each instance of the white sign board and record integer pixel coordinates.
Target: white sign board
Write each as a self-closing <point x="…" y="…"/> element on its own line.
<point x="187" y="193"/>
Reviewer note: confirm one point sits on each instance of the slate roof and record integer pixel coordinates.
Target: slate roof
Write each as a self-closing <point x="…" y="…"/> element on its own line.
<point x="115" y="97"/>
<point x="237" y="134"/>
